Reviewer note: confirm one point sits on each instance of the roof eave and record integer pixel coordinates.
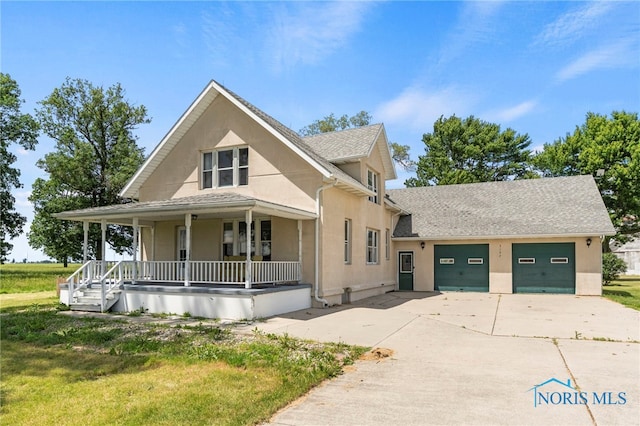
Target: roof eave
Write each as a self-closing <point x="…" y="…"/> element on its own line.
<point x="386" y="157"/>
<point x="501" y="237"/>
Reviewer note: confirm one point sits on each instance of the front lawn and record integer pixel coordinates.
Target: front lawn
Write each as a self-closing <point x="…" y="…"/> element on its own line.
<point x="60" y="369"/>
<point x="625" y="290"/>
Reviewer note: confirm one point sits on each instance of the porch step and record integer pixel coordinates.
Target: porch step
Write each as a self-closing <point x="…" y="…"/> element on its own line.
<point x="89" y="299"/>
<point x="85" y="307"/>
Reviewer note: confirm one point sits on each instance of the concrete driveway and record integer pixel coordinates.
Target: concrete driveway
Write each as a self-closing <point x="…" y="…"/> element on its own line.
<point x="472" y="358"/>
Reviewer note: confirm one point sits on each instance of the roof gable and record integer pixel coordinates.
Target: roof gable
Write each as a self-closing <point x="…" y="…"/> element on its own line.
<point x="353" y="144"/>
<point x="535" y="207"/>
<point x="287" y="136"/>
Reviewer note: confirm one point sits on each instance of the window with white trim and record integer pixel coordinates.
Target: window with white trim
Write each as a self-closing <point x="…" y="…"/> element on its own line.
<point x="373" y="238"/>
<point x="225" y="167"/>
<point x="372" y="184"/>
<point x="347" y="241"/>
<point x="387" y="244"/>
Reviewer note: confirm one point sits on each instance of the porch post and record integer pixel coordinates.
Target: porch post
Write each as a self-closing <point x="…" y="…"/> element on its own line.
<point x="103" y="246"/>
<point x="300" y="249"/>
<point x="85" y="242"/>
<point x="136" y="229"/>
<point x="153" y="242"/>
<point x="187" y="260"/>
<point x="248" y="218"/>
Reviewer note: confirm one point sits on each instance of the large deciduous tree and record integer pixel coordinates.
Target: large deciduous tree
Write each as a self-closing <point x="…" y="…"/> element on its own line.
<point x="471" y="150"/>
<point x="96" y="153"/>
<point x="609" y="149"/>
<point x="15" y="128"/>
<point x="331" y="123"/>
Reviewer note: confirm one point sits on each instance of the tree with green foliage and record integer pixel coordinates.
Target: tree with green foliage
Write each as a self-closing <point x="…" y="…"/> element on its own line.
<point x="331" y="123"/>
<point x="15" y="128"/>
<point x="607" y="148"/>
<point x="471" y="150"/>
<point x="96" y="154"/>
<point x="399" y="153"/>
<point x="612" y="267"/>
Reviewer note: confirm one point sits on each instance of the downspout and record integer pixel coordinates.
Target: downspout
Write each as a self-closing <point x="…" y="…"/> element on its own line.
<point x="324" y="302"/>
<point x="397" y="261"/>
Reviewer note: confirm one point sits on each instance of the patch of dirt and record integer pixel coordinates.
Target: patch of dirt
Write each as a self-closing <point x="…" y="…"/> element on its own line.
<point x="377" y="354"/>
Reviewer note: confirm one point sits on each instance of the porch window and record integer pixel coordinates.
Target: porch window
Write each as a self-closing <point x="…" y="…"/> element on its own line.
<point x="372" y="246"/>
<point x="347" y="241"/>
<point x="242" y="239"/>
<point x="265" y="239"/>
<point x="224" y="168"/>
<point x="182" y="244"/>
<point x="227" y="239"/>
<point x="372" y="184"/>
<point x="234" y="238"/>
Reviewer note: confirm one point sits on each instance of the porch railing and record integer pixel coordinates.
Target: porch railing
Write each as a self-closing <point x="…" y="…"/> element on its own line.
<point x="119" y="273"/>
<point x="81" y="278"/>
<point x="219" y="272"/>
<point x="214" y="272"/>
<point x="88" y="273"/>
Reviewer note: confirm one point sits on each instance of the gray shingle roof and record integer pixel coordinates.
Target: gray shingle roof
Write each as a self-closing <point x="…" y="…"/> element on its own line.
<point x="344" y="145"/>
<point x="210" y="202"/>
<point x="536" y="207"/>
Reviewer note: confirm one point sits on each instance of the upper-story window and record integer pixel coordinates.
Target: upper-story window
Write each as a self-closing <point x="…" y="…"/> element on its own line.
<point x="225" y="167"/>
<point x="372" y="184"/>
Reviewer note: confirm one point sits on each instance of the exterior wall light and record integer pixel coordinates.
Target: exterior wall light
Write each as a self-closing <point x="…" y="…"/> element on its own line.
<point x="422" y="245"/>
<point x="588" y="242"/>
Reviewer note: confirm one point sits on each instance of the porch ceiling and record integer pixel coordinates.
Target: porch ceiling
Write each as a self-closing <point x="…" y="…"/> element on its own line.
<point x="205" y="206"/>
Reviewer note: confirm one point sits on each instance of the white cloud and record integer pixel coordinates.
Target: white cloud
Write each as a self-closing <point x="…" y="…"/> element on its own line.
<point x="218" y="33"/>
<point x="418" y="109"/>
<point x="476" y="24"/>
<point x="512" y="113"/>
<point x="306" y="33"/>
<point x="22" y="151"/>
<point x="620" y="54"/>
<point x="573" y="25"/>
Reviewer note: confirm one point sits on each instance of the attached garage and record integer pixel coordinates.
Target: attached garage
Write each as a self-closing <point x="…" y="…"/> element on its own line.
<point x="523" y="236"/>
<point x="461" y="267"/>
<point x="544" y="268"/>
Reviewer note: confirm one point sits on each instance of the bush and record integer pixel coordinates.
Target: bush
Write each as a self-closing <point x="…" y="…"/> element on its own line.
<point x="612" y="267"/>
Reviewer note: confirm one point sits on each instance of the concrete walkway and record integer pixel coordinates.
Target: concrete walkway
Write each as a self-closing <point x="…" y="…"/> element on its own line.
<point x="465" y="358"/>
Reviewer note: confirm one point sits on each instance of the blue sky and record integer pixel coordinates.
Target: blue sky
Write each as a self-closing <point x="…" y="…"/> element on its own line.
<point x="537" y="67"/>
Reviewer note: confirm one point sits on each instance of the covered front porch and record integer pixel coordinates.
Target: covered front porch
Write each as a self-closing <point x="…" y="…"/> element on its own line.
<point x="203" y="249"/>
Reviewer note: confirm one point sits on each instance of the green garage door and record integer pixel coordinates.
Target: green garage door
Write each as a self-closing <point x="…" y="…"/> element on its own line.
<point x="462" y="267"/>
<point x="544" y="268"/>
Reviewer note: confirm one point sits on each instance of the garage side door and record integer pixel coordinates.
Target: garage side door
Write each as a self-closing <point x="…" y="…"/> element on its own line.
<point x="544" y="268"/>
<point x="461" y="267"/>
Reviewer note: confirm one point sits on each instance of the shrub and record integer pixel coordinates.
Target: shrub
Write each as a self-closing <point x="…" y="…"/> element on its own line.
<point x="612" y="267"/>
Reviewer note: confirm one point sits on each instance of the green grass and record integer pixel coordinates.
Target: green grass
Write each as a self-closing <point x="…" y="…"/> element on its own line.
<point x="60" y="369"/>
<point x="625" y="290"/>
<point x="32" y="277"/>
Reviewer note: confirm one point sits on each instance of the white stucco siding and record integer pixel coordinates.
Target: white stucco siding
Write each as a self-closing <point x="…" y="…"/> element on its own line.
<point x="357" y="277"/>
